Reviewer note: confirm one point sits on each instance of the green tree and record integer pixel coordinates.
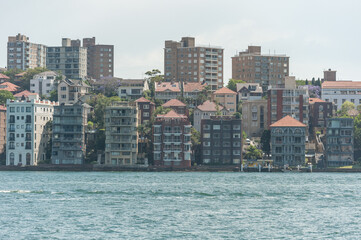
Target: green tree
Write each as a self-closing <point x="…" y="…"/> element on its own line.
<point x="306" y="83"/>
<point x="12" y="72"/>
<point x="237" y="115"/>
<point x="153" y="77"/>
<point x="253" y="153"/>
<point x="232" y="84"/>
<point x="196" y="145"/>
<point x="313" y="81"/>
<point x="346" y="106"/>
<point x="265" y="142"/>
<point x="318" y="82"/>
<point x="4" y="95"/>
<point x="99" y="103"/>
<point x="53" y="95"/>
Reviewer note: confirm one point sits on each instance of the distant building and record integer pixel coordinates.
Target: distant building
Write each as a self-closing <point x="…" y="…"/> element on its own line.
<point x="227" y="98"/>
<point x="339" y="142"/>
<point x="132" y="88"/>
<point x="177" y="106"/>
<point x="249" y="91"/>
<point x="70" y="59"/>
<point x="283" y="102"/>
<point x="288" y="138"/>
<point x="221" y="138"/>
<point x="43" y="83"/>
<point x="205" y="111"/>
<point x="145" y="109"/>
<point x="329" y="75"/>
<point x="339" y="92"/>
<point x="23" y="54"/>
<point x="167" y="90"/>
<point x="27" y="131"/>
<point x="121" y="136"/>
<point x="254" y="117"/>
<point x="267" y="70"/>
<point x="172" y="140"/>
<point x="8" y="86"/>
<point x="320" y="111"/>
<point x="71" y="91"/>
<point x="3" y="78"/>
<point x="70" y="123"/>
<point x="192" y="90"/>
<point x="100" y="59"/>
<point x="186" y="62"/>
<point x="2" y="128"/>
<point x="26" y="96"/>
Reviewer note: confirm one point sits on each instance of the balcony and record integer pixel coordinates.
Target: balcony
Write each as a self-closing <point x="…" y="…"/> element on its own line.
<point x="28" y="130"/>
<point x="11" y="139"/>
<point x="11" y="129"/>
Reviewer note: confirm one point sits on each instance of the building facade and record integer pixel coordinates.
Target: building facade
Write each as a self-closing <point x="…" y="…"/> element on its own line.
<point x="205" y="111"/>
<point x="132" y="88"/>
<point x="172" y="140"/>
<point x="253" y="67"/>
<point x="28" y="131"/>
<point x="71" y="91"/>
<point x="178" y="106"/>
<point x="227" y="98"/>
<point x="249" y="91"/>
<point x="100" y="59"/>
<point x="43" y="83"/>
<point x="339" y="92"/>
<point x="167" y="90"/>
<point x="329" y="75"/>
<point x="288" y="138"/>
<point x="70" y="59"/>
<point x="186" y="62"/>
<point x="283" y="102"/>
<point x="145" y="110"/>
<point x="70" y="123"/>
<point x="254" y="117"/>
<point x="22" y="54"/>
<point x="221" y="138"/>
<point x="2" y="128"/>
<point x="320" y="111"/>
<point x="339" y="142"/>
<point x="121" y="136"/>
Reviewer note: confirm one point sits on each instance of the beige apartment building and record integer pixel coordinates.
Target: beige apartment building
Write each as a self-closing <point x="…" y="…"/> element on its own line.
<point x="186" y="62"/>
<point x="227" y="98"/>
<point x="2" y="128"/>
<point x="100" y="59"/>
<point x="253" y="67"/>
<point x="70" y="91"/>
<point x="22" y="54"/>
<point x="254" y="117"/>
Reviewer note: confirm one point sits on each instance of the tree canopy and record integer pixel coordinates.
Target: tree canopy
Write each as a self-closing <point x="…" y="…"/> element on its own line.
<point x="4" y="95"/>
<point x="232" y="84"/>
<point x="253" y="153"/>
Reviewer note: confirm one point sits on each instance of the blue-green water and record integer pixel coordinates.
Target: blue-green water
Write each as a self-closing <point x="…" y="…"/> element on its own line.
<point x="72" y="205"/>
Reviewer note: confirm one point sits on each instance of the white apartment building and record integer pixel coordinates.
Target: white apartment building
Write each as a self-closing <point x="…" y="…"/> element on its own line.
<point x="132" y="88"/>
<point x="27" y="133"/>
<point x="43" y="83"/>
<point x="339" y="92"/>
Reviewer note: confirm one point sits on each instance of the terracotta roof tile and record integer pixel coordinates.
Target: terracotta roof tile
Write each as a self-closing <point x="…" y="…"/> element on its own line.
<point x="143" y="100"/>
<point x="341" y="84"/>
<point x="161" y="87"/>
<point x="313" y="100"/>
<point x="225" y="90"/>
<point x="3" y="76"/>
<point x="209" y="106"/>
<point x="2" y="107"/>
<point x="288" y="121"/>
<point x="25" y="93"/>
<point x="9" y="87"/>
<point x="171" y="114"/>
<point x="20" y="74"/>
<point x="174" y="103"/>
<point x="192" y="87"/>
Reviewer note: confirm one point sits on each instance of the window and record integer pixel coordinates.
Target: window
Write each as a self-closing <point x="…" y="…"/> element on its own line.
<point x="145" y="106"/>
<point x="216" y="127"/>
<point x="63" y="88"/>
<point x="146" y="114"/>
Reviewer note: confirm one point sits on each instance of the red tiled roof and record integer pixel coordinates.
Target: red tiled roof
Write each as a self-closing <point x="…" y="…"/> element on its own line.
<point x="192" y="87"/>
<point x="20" y="74"/>
<point x="143" y="100"/>
<point x="225" y="90"/>
<point x="209" y="106"/>
<point x="3" y="76"/>
<point x="161" y="87"/>
<point x="288" y="121"/>
<point x="2" y="107"/>
<point x="9" y="87"/>
<point x="341" y="84"/>
<point x="25" y="93"/>
<point x="313" y="100"/>
<point x="171" y="114"/>
<point x="174" y="103"/>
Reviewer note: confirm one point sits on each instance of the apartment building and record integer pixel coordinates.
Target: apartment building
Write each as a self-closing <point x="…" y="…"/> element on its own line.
<point x="43" y="83"/>
<point x="205" y="111"/>
<point x="249" y="91"/>
<point x="254" y="117"/>
<point x="339" y="147"/>
<point x="100" y="59"/>
<point x="172" y="140"/>
<point x="22" y="54"/>
<point x="227" y="98"/>
<point x="26" y="96"/>
<point x="70" y="123"/>
<point x="186" y="62"/>
<point x="121" y="136"/>
<point x="283" y="102"/>
<point x="3" y="78"/>
<point x="145" y="110"/>
<point x="329" y="75"/>
<point x="28" y="132"/>
<point x="339" y="92"/>
<point x="177" y="106"/>
<point x="2" y="128"/>
<point x="253" y="67"/>
<point x="71" y="91"/>
<point x="70" y="59"/>
<point x="132" y="89"/>
<point x="320" y="111"/>
<point x="192" y="90"/>
<point x="221" y="138"/>
<point x="167" y="90"/>
<point x="288" y="138"/>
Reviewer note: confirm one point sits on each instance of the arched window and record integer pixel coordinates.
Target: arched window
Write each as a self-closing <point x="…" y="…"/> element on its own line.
<point x="297" y="131"/>
<point x="12" y="158"/>
<point x="28" y="159"/>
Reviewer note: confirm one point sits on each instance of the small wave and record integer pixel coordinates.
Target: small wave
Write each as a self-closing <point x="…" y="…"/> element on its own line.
<point x="23" y="191"/>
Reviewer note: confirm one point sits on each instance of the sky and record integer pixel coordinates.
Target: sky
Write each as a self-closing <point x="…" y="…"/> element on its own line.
<point x="316" y="34"/>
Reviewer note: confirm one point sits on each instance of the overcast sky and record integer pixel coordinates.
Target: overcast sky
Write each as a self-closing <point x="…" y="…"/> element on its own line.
<point x="315" y="34"/>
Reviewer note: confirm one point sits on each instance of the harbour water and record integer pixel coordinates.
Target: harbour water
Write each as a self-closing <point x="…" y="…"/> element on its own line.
<point x="179" y="205"/>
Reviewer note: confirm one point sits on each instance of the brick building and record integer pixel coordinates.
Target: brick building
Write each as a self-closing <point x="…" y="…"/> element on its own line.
<point x="227" y="98"/>
<point x="145" y="109"/>
<point x="254" y="117"/>
<point x="177" y="106"/>
<point x="320" y="111"/>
